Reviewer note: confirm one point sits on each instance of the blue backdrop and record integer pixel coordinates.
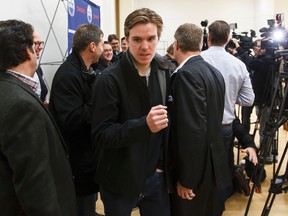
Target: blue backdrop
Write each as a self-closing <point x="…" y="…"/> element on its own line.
<point x="81" y="12"/>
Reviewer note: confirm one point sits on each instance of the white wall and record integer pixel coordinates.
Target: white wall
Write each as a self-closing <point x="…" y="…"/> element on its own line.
<point x="108" y="21"/>
<point x="263" y="11"/>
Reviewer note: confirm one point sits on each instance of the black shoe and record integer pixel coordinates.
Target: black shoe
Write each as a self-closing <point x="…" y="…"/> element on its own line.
<point x="241" y="183"/>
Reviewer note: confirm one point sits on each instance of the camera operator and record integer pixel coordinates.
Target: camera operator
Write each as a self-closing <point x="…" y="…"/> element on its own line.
<point x="260" y="67"/>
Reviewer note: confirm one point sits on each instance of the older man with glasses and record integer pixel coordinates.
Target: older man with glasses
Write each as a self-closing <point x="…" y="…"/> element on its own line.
<point x="42" y="87"/>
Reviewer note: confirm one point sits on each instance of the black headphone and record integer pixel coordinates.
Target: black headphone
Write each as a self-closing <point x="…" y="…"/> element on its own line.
<point x="89" y="75"/>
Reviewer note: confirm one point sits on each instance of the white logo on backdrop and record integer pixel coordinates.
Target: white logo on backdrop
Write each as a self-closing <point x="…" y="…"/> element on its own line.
<point x="89" y="14"/>
<point x="71" y="7"/>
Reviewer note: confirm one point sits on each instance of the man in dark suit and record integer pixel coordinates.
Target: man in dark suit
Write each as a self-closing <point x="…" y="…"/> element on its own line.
<point x="35" y="177"/>
<point x="196" y="109"/>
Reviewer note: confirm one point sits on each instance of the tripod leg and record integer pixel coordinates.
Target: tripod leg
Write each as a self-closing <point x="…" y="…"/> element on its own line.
<point x="275" y="187"/>
<point x="268" y="206"/>
<point x="256" y="178"/>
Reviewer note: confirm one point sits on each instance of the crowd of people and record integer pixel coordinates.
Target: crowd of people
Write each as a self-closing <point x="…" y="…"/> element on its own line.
<point x="140" y="129"/>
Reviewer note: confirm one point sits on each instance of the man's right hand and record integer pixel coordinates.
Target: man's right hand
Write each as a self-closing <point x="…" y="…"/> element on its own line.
<point x="157" y="118"/>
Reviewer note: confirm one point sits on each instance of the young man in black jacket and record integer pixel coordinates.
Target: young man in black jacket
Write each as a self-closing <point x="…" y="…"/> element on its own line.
<point x="130" y="121"/>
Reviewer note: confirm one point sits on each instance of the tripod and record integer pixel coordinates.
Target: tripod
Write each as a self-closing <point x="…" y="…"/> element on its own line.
<point x="278" y="115"/>
<point x="279" y="184"/>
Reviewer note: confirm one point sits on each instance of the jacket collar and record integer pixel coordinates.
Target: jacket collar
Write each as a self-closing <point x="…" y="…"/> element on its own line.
<point x="158" y="62"/>
<point x="75" y="59"/>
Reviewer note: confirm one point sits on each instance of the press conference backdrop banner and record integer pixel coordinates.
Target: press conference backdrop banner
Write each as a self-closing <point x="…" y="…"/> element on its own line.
<point x="81" y="12"/>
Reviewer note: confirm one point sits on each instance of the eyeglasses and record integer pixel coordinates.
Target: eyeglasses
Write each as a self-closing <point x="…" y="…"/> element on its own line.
<point x="39" y="43"/>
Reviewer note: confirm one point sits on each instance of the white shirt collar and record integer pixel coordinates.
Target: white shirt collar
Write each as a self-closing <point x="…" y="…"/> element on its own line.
<point x="181" y="65"/>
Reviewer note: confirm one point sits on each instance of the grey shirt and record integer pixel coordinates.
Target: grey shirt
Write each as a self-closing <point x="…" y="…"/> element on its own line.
<point x="238" y="87"/>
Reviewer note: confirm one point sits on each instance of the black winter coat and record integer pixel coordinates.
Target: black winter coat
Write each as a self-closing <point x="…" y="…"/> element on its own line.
<point x="121" y="102"/>
<point x="70" y="105"/>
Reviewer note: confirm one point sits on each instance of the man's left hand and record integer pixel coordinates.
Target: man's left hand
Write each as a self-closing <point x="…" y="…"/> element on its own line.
<point x="185" y="193"/>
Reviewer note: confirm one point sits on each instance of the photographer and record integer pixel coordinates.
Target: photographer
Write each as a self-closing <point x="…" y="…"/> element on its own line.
<point x="260" y="65"/>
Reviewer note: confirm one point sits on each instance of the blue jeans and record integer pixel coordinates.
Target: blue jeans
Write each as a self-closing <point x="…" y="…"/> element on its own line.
<point x="86" y="205"/>
<point x="154" y="200"/>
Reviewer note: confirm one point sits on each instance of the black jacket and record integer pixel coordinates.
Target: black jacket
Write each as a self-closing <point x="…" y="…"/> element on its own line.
<point x="70" y="105"/>
<point x="35" y="176"/>
<point x="262" y="79"/>
<point x="100" y="65"/>
<point x="196" y="106"/>
<point x="261" y="69"/>
<point x="240" y="132"/>
<point x="44" y="88"/>
<point x="121" y="102"/>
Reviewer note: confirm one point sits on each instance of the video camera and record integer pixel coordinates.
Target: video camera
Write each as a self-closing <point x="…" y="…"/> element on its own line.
<point x="245" y="41"/>
<point x="275" y="35"/>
